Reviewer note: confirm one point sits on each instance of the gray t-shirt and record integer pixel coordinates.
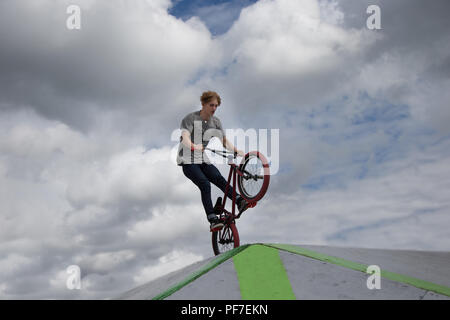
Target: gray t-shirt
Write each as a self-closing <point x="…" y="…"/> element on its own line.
<point x="200" y="131"/>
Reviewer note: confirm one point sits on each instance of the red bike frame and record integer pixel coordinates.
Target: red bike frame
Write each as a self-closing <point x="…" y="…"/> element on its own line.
<point x="234" y="169"/>
<point x="228" y="234"/>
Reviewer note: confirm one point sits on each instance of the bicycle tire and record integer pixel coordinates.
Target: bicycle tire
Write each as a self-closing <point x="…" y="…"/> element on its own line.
<point x="225" y="239"/>
<point x="249" y="190"/>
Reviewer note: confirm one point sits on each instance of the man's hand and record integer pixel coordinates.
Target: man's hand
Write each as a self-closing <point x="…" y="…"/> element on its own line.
<point x="197" y="147"/>
<point x="240" y="153"/>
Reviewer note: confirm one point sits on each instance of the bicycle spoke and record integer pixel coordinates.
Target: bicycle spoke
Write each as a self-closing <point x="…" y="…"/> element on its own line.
<point x="253" y="177"/>
<point x="226" y="241"/>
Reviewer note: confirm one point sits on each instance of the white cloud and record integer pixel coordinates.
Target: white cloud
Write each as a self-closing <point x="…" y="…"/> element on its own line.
<point x="14" y="263"/>
<point x="166" y="264"/>
<point x="105" y="262"/>
<point x="400" y="209"/>
<point x="134" y="175"/>
<point x="282" y="38"/>
<point x="279" y="51"/>
<point x="172" y="223"/>
<point x="330" y="12"/>
<point x="124" y="57"/>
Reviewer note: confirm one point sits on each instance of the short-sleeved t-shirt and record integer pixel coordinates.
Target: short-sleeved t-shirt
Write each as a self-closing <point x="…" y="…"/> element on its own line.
<point x="201" y="131"/>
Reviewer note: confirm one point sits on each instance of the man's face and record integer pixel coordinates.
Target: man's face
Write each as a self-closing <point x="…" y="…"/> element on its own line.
<point x="210" y="107"/>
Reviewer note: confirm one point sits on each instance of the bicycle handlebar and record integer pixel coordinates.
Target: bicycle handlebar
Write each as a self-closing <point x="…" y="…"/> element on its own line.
<point x="222" y="152"/>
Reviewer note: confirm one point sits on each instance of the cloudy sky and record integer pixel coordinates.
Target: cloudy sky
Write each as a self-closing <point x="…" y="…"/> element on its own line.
<point x="88" y="122"/>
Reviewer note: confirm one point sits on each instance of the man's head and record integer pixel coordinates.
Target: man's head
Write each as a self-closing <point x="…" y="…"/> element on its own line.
<point x="210" y="101"/>
<point x="207" y="96"/>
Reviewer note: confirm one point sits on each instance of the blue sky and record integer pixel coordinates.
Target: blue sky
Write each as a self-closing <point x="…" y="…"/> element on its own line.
<point x="218" y="15"/>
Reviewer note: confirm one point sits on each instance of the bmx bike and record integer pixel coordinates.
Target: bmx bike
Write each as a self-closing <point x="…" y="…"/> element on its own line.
<point x="253" y="176"/>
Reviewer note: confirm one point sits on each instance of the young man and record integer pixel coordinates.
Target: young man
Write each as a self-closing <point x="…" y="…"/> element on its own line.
<point x="197" y="128"/>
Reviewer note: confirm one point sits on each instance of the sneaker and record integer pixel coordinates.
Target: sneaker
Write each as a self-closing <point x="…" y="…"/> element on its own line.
<point x="216" y="223"/>
<point x="242" y="205"/>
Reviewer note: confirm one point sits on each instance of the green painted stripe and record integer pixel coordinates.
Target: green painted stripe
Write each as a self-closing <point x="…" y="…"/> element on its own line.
<point x="211" y="265"/>
<point x="261" y="274"/>
<point x="419" y="283"/>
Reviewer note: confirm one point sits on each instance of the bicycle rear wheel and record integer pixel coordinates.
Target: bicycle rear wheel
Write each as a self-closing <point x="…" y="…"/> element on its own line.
<point x="225" y="239"/>
<point x="254" y="182"/>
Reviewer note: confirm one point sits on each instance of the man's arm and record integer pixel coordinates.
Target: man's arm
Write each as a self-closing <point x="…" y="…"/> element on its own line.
<point x="186" y="140"/>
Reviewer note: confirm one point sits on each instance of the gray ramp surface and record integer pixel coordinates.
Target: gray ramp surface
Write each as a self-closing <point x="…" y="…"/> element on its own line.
<point x="432" y="266"/>
<point x="149" y="290"/>
<point x="219" y="283"/>
<point x="314" y="279"/>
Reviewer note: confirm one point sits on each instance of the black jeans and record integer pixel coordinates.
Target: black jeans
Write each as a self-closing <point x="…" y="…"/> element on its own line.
<point x="202" y="174"/>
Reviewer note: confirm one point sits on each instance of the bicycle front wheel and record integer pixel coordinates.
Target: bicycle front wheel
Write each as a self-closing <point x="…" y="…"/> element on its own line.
<point x="254" y="181"/>
<point x="225" y="239"/>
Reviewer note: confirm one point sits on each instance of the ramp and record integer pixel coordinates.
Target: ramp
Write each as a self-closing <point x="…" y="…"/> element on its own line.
<point x="289" y="272"/>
